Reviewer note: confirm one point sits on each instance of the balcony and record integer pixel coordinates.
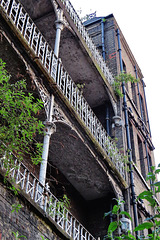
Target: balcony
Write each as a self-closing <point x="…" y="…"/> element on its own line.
<point x="39" y="49"/>
<point x="44" y="200"/>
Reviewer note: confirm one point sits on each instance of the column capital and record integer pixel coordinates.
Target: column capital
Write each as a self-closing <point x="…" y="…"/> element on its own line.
<point x="60" y="21"/>
<point x="49" y="128"/>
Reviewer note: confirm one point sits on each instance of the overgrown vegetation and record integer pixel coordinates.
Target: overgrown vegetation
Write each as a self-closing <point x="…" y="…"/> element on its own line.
<point x="19" y="126"/>
<point x="18" y="122"/>
<point x="152" y="222"/>
<point x="122" y="77"/>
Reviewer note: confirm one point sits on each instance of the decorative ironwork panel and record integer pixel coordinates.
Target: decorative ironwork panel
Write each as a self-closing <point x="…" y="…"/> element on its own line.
<point x="35" y="39"/>
<point x="5" y="4"/>
<point x="21" y="20"/>
<point x="14" y="10"/>
<point x="28" y="30"/>
<point x="41" y="49"/>
<point x="48" y="58"/>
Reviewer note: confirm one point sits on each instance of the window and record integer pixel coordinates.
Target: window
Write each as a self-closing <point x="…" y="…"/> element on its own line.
<point x="124" y="67"/>
<point x="125" y="71"/>
<point x="132" y="142"/>
<point x="141" y="232"/>
<point x="142" y="109"/>
<point x="141" y="157"/>
<point x="134" y="95"/>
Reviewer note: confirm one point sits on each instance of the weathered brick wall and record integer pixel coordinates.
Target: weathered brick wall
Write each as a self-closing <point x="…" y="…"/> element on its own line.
<point x="27" y="221"/>
<point x="109" y="41"/>
<point x="110" y="45"/>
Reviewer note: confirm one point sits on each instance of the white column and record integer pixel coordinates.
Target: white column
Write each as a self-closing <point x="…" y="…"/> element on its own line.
<point x="59" y="26"/>
<point x="48" y="130"/>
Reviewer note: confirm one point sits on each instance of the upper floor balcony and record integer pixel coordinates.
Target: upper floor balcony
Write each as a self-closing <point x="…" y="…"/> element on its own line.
<point x="59" y="79"/>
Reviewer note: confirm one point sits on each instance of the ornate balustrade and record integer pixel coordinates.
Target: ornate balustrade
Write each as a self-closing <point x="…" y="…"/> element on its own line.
<point x="37" y="43"/>
<point x="82" y="30"/>
<point x="45" y="200"/>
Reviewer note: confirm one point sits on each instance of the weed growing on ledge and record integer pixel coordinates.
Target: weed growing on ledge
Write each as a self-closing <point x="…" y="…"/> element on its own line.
<point x="122" y="77"/>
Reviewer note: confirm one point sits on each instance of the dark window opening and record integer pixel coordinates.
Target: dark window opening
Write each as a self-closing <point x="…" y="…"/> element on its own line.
<point x="134" y="95"/>
<point x="132" y="142"/>
<point x="141" y="157"/>
<point x="105" y="113"/>
<point x="124" y="67"/>
<point x="141" y="232"/>
<point x="125" y="71"/>
<point x="142" y="109"/>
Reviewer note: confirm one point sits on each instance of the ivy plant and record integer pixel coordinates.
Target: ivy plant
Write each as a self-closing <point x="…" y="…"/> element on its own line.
<point x="18" y="120"/>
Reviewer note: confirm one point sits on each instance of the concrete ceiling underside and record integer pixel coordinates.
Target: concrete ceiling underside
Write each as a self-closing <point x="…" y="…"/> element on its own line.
<point x="72" y="157"/>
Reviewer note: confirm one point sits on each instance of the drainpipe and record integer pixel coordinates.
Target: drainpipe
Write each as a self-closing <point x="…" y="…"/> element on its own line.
<point x="104" y="57"/>
<point x="48" y="130"/>
<point x="128" y="138"/>
<point x="145" y="141"/>
<point x="103" y="46"/>
<point x="107" y="120"/>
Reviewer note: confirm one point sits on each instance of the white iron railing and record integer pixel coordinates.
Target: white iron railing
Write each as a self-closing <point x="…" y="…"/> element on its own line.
<point x="82" y="30"/>
<point x="45" y="200"/>
<point x="37" y="43"/>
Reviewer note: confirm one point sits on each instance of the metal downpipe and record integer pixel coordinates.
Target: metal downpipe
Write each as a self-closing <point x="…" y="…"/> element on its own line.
<point x="107" y="120"/>
<point x="104" y="57"/>
<point x="128" y="138"/>
<point x="103" y="46"/>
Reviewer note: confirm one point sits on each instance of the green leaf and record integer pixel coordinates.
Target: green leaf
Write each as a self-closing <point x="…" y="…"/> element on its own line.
<point x="157" y="223"/>
<point x="126" y="213"/>
<point x="115" y="209"/>
<point x="157" y="184"/>
<point x="144" y="194"/>
<point x="128" y="237"/>
<point x="22" y="236"/>
<point x="145" y="225"/>
<point x="157" y="171"/>
<point x="112" y="226"/>
<point x="148" y="196"/>
<point x="156" y="216"/>
<point x="153" y="168"/>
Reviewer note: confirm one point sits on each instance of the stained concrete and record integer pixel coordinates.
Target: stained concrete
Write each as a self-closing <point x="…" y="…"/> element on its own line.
<point x="69" y="153"/>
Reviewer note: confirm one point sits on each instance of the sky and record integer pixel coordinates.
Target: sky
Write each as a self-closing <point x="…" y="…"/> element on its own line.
<point x="139" y="20"/>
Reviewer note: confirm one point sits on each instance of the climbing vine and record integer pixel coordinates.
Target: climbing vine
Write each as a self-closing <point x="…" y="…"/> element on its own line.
<point x="18" y="120"/>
